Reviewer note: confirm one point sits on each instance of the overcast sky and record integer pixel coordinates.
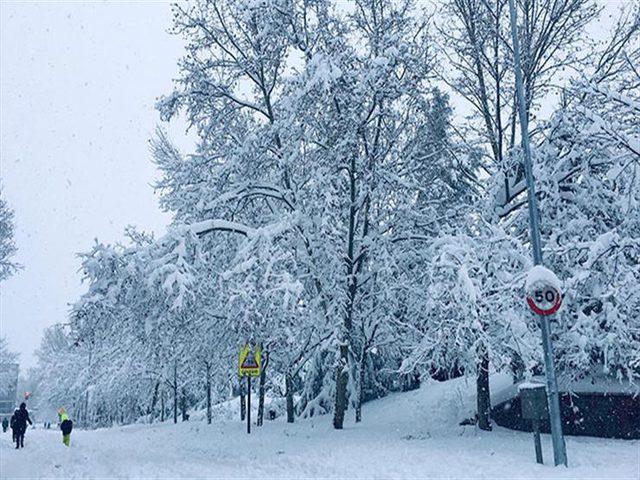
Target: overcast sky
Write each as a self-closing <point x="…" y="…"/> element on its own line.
<point x="77" y="92"/>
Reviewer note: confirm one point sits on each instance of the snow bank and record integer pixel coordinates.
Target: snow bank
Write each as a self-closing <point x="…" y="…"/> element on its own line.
<point x="530" y="386"/>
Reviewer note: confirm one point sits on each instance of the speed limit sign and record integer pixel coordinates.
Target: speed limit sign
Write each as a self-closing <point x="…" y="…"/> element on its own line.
<point x="544" y="294"/>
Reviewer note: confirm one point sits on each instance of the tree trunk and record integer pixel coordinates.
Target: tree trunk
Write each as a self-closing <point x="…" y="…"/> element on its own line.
<point x="86" y="410"/>
<point x="517" y="367"/>
<point x="361" y="371"/>
<point x="162" y="406"/>
<point x="342" y="371"/>
<point x="208" y="366"/>
<point x="175" y="392"/>
<point x="288" y="380"/>
<point x="263" y="377"/>
<point x="154" y="401"/>
<point x="243" y="402"/>
<point x="183" y="404"/>
<point x="482" y="388"/>
<point x="342" y="376"/>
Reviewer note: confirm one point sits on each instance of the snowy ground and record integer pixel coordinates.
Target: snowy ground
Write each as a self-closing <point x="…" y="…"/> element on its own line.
<point x="410" y="435"/>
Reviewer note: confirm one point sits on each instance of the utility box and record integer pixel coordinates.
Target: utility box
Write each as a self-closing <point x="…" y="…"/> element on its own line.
<point x="533" y="401"/>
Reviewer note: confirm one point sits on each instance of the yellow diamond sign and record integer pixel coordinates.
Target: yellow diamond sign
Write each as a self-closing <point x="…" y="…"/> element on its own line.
<point x="249" y="362"/>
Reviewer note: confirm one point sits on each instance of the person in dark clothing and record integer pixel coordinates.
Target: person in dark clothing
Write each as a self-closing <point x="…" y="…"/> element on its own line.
<point x="22" y="417"/>
<point x="5" y="424"/>
<point x="12" y="425"/>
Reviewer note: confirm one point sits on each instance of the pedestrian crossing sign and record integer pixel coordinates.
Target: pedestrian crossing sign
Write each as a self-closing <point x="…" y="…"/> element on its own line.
<point x="249" y="362"/>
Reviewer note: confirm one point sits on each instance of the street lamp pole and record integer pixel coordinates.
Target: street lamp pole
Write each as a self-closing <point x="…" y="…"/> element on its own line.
<point x="559" y="448"/>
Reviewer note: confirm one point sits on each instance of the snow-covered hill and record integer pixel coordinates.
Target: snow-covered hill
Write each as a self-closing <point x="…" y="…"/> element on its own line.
<point x="408" y="435"/>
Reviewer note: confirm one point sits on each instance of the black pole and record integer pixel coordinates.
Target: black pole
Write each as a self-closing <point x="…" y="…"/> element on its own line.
<point x="243" y="404"/>
<point x="536" y="436"/>
<point x="248" y="404"/>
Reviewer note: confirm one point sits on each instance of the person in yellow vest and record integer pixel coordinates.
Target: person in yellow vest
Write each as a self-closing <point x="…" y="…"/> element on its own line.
<point x="66" y="426"/>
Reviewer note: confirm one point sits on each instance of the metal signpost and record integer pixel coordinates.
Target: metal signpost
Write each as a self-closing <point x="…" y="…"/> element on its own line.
<point x="559" y="448"/>
<point x="249" y="365"/>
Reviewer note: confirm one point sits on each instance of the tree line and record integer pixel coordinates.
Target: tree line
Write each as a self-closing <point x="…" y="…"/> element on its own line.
<point x="336" y="211"/>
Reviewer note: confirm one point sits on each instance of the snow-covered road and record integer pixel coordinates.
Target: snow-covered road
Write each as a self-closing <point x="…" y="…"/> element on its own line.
<point x="411" y="435"/>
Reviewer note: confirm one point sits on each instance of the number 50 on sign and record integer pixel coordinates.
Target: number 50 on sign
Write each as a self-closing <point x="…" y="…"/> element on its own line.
<point x="544" y="295"/>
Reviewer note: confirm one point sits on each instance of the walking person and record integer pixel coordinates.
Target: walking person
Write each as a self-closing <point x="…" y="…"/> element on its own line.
<point x="5" y="424"/>
<point x="12" y="425"/>
<point x="20" y="424"/>
<point x="66" y="426"/>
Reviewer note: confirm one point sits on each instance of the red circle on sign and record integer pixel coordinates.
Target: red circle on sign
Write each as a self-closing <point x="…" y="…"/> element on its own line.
<point x="550" y="311"/>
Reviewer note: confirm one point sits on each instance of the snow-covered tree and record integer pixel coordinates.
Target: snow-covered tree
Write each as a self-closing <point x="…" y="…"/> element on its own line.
<point x="6" y="355"/>
<point x="7" y="242"/>
<point x="320" y="128"/>
<point x="588" y="171"/>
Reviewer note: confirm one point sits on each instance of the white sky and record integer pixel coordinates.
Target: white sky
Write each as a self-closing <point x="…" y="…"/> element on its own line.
<point x="78" y="83"/>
